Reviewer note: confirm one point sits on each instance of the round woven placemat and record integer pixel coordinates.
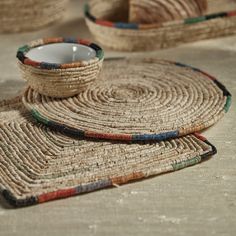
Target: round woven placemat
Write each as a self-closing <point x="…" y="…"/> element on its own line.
<point x="136" y="99"/>
<point x="38" y="165"/>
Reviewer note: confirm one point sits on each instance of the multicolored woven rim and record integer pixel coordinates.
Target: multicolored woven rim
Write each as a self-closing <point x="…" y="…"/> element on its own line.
<point x="127" y="137"/>
<point x="21" y="53"/>
<point x="135" y="26"/>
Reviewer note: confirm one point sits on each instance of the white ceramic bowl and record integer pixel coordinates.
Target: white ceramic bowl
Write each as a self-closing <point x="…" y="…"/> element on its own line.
<point x="61" y="53"/>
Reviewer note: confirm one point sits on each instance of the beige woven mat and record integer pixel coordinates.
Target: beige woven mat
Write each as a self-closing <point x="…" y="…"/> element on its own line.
<point x="38" y="165"/>
<point x="137" y="99"/>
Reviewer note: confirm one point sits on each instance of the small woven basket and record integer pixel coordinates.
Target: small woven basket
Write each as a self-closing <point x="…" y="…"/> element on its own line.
<point x="112" y="33"/>
<point x="28" y="15"/>
<point x="59" y="80"/>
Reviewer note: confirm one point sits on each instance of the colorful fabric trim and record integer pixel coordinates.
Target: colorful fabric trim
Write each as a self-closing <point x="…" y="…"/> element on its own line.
<point x="134" y="26"/>
<point x="21" y="53"/>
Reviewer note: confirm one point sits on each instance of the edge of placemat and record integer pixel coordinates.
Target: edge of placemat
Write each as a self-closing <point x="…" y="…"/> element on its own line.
<point x="105" y="183"/>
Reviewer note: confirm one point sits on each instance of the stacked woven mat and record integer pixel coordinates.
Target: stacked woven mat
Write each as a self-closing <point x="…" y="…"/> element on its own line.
<point x="136" y="25"/>
<point x="27" y="15"/>
<point x="138" y="119"/>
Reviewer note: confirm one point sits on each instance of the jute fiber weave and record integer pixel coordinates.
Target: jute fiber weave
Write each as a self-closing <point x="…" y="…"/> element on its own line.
<point x="28" y="15"/>
<point x="39" y="165"/>
<point x="137" y="99"/>
<point x="108" y="22"/>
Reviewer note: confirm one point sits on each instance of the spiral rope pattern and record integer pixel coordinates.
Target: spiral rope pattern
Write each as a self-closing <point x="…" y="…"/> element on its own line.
<point x="136" y="99"/>
<point x="39" y="165"/>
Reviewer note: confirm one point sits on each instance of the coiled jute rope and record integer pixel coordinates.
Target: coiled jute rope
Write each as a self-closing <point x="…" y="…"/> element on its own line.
<point x="28" y="15"/>
<point x="136" y="99"/>
<point x="111" y="30"/>
<point x="39" y="165"/>
<point x="59" y="80"/>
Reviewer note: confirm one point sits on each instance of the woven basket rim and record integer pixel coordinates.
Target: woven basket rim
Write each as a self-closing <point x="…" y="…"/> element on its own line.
<point x="136" y="26"/>
<point x="21" y="53"/>
<point x="126" y="137"/>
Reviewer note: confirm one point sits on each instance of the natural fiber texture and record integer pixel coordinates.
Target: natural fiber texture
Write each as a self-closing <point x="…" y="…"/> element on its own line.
<point x="38" y="165"/>
<point x="120" y="35"/>
<point x="137" y="99"/>
<point x="59" y="80"/>
<point x="223" y="5"/>
<point x="28" y="15"/>
<point x="158" y="11"/>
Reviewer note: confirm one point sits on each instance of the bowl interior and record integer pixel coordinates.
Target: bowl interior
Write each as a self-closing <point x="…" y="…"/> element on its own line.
<point x="61" y="53"/>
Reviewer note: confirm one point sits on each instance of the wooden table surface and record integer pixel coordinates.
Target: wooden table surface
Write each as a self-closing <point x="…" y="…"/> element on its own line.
<point x="200" y="200"/>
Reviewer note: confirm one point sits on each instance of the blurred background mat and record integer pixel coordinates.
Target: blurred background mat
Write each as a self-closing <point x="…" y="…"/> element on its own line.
<point x="28" y="15"/>
<point x="200" y="200"/>
<point x="224" y="5"/>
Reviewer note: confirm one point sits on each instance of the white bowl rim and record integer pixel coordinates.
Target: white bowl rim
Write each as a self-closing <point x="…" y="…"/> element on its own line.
<point x="24" y="50"/>
<point x="61" y="53"/>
